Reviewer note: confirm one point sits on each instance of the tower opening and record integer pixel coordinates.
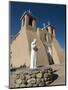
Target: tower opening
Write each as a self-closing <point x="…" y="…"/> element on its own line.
<point x="30" y="21"/>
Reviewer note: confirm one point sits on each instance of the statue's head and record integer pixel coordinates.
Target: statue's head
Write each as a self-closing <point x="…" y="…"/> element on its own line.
<point x="34" y="41"/>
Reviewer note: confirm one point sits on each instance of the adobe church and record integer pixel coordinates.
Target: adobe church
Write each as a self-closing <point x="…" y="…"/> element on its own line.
<point x="49" y="50"/>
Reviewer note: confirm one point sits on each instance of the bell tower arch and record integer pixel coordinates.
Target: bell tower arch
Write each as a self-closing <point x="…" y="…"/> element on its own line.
<point x="28" y="20"/>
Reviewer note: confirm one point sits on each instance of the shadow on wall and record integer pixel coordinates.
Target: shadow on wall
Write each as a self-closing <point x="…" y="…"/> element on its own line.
<point x="53" y="78"/>
<point x="50" y="59"/>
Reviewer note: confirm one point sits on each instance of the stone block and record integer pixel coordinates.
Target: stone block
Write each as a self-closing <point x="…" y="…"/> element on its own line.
<point x="39" y="75"/>
<point x="22" y="76"/>
<point x="18" y="81"/>
<point x="27" y="77"/>
<point x="31" y="80"/>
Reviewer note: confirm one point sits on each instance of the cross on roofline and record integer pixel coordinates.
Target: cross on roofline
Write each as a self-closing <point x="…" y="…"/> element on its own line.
<point x="29" y="11"/>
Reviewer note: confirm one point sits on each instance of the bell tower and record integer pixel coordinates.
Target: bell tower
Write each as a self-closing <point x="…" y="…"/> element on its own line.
<point x="50" y="32"/>
<point x="27" y="20"/>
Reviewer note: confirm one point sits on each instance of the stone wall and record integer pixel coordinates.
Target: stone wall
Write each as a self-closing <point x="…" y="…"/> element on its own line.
<point x="32" y="78"/>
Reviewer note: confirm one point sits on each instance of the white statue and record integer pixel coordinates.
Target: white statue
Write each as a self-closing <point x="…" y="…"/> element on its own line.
<point x="33" y="54"/>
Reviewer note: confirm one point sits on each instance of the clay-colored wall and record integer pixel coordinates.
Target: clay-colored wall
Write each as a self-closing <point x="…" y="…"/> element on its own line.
<point x="59" y="51"/>
<point x="55" y="55"/>
<point x="20" y="50"/>
<point x="41" y="34"/>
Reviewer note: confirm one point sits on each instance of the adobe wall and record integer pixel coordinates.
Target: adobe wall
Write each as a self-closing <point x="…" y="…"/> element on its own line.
<point x="41" y="34"/>
<point x="20" y="50"/>
<point x="58" y="53"/>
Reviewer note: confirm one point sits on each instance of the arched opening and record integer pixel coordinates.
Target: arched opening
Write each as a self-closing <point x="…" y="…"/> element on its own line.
<point x="30" y="21"/>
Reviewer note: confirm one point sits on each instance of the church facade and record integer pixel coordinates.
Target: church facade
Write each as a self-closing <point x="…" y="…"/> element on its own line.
<point x="49" y="50"/>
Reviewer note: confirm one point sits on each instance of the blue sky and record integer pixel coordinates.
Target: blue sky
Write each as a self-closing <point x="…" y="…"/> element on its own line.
<point x="43" y="13"/>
